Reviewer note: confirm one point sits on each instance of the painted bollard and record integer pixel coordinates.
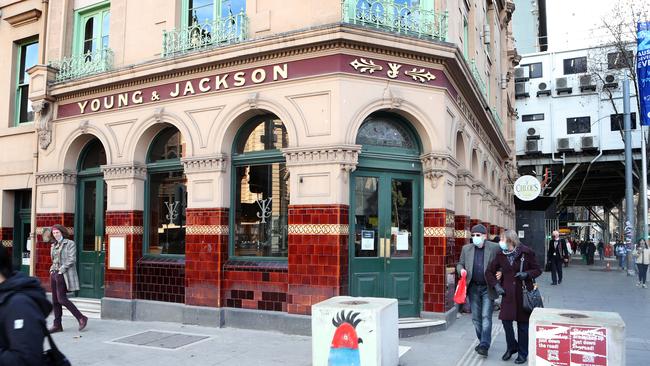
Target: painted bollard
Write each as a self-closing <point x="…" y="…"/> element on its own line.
<point x="354" y="331"/>
<point x="561" y="337"/>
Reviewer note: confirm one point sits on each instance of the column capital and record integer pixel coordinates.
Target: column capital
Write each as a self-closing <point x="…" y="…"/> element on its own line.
<point x="464" y="178"/>
<point x="203" y="164"/>
<point x="56" y="177"/>
<point x="436" y="165"/>
<point x="124" y="171"/>
<point x="347" y="155"/>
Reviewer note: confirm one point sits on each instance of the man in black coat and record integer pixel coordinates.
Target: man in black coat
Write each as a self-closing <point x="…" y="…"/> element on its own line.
<point x="23" y="309"/>
<point x="557" y="253"/>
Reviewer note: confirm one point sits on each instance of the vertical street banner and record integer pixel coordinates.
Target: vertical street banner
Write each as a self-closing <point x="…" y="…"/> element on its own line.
<point x="643" y="69"/>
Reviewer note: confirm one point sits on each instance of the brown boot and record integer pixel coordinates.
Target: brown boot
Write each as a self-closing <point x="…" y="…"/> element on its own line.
<point x="82" y="323"/>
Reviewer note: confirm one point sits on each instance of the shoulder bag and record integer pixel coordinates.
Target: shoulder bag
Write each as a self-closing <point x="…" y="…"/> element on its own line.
<point x="531" y="299"/>
<point x="53" y="357"/>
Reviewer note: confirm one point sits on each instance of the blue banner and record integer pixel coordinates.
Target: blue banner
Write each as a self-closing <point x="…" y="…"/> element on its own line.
<point x="643" y="69"/>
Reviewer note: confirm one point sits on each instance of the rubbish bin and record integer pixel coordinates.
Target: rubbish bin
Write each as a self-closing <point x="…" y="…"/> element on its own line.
<point x="562" y="337"/>
<point x="355" y="331"/>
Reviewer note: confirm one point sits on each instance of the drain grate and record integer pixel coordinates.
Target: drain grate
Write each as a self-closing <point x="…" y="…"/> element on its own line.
<point x="160" y="339"/>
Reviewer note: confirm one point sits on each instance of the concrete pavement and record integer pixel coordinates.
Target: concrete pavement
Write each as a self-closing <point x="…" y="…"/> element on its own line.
<point x="583" y="288"/>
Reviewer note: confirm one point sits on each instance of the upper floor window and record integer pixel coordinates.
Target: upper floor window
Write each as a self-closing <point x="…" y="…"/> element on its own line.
<point x="27" y="57"/>
<point x="532" y="117"/>
<point x="577" y="65"/>
<point x="578" y="125"/>
<point x="617" y="124"/>
<point x="92" y="25"/>
<point x="207" y="11"/>
<point x="620" y="60"/>
<point x="534" y="70"/>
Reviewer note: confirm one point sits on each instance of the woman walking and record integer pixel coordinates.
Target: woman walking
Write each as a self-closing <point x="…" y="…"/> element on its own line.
<point x="63" y="278"/>
<point x="642" y="260"/>
<point x="509" y="285"/>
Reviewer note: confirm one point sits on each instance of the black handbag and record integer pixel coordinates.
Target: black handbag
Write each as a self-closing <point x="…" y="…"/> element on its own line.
<point x="53" y="357"/>
<point x="531" y="299"/>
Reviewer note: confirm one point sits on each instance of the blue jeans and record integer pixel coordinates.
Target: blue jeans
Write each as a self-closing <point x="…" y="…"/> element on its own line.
<point x="621" y="261"/>
<point x="482" y="307"/>
<point x="521" y="343"/>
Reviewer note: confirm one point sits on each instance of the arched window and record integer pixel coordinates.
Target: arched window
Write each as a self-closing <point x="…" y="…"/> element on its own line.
<point x="166" y="195"/>
<point x="92" y="157"/>
<point x="386" y="130"/>
<point x="260" y="191"/>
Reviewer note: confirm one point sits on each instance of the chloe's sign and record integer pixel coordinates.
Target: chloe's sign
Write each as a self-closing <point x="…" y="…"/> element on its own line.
<point x="527" y="188"/>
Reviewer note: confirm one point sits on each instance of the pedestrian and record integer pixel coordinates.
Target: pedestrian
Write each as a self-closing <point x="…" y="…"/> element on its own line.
<point x="601" y="250"/>
<point x="23" y="309"/>
<point x="511" y="279"/>
<point x="63" y="278"/>
<point x="474" y="259"/>
<point x="591" y="252"/>
<point x="557" y="253"/>
<point x="619" y="250"/>
<point x="642" y="260"/>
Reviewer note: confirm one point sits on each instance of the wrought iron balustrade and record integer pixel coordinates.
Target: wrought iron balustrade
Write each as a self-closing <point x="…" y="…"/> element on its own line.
<point x="78" y="66"/>
<point x="198" y="36"/>
<point x="479" y="79"/>
<point x="396" y="17"/>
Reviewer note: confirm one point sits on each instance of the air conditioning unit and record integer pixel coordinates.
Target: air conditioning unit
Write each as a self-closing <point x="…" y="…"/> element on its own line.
<point x="562" y="86"/>
<point x="486" y="34"/>
<point x="611" y="81"/>
<point x="586" y="84"/>
<point x="565" y="144"/>
<point x="521" y="90"/>
<point x="532" y="146"/>
<point x="589" y="142"/>
<point x="532" y="134"/>
<point x="543" y="89"/>
<point x="522" y="74"/>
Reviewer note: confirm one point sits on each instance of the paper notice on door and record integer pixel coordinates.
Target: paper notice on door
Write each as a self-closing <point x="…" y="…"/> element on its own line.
<point x="394" y="230"/>
<point x="367" y="240"/>
<point x="402" y="240"/>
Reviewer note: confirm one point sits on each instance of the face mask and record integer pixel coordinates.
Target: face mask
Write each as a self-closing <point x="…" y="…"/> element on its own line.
<point x="477" y="240"/>
<point x="503" y="245"/>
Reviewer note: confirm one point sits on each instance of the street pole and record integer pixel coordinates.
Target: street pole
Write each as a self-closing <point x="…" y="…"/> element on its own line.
<point x="629" y="192"/>
<point x="643" y="192"/>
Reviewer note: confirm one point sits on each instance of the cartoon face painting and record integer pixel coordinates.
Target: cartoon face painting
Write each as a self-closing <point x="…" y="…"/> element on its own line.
<point x="344" y="350"/>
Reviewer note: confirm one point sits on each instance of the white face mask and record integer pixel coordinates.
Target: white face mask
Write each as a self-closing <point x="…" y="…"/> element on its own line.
<point x="477" y="240"/>
<point x="503" y="245"/>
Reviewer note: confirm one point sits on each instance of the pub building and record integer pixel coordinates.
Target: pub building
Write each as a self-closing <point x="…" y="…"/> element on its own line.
<point x="211" y="156"/>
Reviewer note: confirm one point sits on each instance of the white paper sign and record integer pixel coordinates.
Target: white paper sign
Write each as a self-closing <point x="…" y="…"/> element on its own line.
<point x="28" y="245"/>
<point x="25" y="261"/>
<point x="367" y="240"/>
<point x="521" y="234"/>
<point x="117" y="252"/>
<point x="394" y="230"/>
<point x="402" y="240"/>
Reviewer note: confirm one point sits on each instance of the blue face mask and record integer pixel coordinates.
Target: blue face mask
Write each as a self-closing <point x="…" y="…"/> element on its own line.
<point x="503" y="245"/>
<point x="477" y="240"/>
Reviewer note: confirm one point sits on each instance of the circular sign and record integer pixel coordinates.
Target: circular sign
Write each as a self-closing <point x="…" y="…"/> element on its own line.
<point x="527" y="188"/>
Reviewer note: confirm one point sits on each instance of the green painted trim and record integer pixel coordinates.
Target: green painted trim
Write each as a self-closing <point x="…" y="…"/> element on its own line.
<point x="17" y="94"/>
<point x="79" y="16"/>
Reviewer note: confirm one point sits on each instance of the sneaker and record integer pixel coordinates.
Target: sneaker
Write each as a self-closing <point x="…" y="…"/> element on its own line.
<point x="638" y="284"/>
<point x="645" y="286"/>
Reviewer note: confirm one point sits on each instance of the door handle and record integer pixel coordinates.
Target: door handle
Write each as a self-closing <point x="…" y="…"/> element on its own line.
<point x="384" y="248"/>
<point x="381" y="247"/>
<point x="98" y="243"/>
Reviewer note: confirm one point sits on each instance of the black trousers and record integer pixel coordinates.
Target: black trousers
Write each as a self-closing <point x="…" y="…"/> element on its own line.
<point x="521" y="343"/>
<point x="556" y="269"/>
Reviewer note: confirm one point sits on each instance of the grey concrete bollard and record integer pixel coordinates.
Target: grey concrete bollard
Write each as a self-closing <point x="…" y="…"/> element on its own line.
<point x="562" y="337"/>
<point x="355" y="331"/>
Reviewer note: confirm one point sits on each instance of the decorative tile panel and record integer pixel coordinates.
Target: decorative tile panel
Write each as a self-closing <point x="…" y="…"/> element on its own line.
<point x="438" y="232"/>
<point x="207" y="230"/>
<point x="7" y="243"/>
<point x="124" y="230"/>
<point x="462" y="234"/>
<point x="319" y="229"/>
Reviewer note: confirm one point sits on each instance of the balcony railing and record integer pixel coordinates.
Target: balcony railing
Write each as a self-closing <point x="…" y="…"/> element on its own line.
<point x="83" y="65"/>
<point x="479" y="79"/>
<point x="199" y="36"/>
<point x="395" y="17"/>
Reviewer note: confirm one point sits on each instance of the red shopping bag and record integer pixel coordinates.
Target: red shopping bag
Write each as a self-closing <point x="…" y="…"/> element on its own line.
<point x="461" y="290"/>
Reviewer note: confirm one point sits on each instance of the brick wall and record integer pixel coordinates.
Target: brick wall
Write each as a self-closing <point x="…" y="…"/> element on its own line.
<point x="255" y="285"/>
<point x="7" y="238"/>
<point x="206" y="251"/>
<point x="43" y="261"/>
<point x="161" y="279"/>
<point x="439" y="260"/>
<point x="318" y="255"/>
<point x="461" y="233"/>
<point x="122" y="283"/>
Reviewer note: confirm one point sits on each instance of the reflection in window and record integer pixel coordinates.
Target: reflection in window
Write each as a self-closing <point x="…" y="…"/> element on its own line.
<point x="366" y="216"/>
<point x="27" y="57"/>
<point x="261" y="190"/>
<point x="380" y="131"/>
<point x="94" y="155"/>
<point x="166" y="194"/>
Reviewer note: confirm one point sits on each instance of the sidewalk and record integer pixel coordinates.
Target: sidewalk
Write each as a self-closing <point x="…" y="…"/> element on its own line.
<point x="583" y="288"/>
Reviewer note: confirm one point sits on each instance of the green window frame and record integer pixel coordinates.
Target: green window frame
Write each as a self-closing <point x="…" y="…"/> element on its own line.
<point x="156" y="167"/>
<point x="26" y="57"/>
<point x="219" y="9"/>
<point x="91" y="28"/>
<point x="256" y="158"/>
<point x="465" y="37"/>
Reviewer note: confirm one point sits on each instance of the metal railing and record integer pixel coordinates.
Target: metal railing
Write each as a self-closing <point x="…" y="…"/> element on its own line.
<point x="396" y="17"/>
<point x="78" y="66"/>
<point x="198" y="36"/>
<point x="479" y="80"/>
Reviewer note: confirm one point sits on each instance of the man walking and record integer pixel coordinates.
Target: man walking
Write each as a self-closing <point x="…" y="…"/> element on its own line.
<point x="557" y="253"/>
<point x="474" y="259"/>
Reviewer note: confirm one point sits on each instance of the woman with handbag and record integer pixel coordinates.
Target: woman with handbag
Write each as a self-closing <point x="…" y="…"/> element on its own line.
<point x="23" y="309"/>
<point x="642" y="255"/>
<point x="63" y="277"/>
<point x="518" y="268"/>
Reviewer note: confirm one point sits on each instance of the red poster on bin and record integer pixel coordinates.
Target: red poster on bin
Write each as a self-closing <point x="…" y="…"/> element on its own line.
<point x="588" y="346"/>
<point x="569" y="345"/>
<point x="553" y="345"/>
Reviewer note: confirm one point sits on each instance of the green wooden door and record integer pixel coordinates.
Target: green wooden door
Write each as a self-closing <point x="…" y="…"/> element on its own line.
<point x="386" y="237"/>
<point x="22" y="228"/>
<point x="89" y="236"/>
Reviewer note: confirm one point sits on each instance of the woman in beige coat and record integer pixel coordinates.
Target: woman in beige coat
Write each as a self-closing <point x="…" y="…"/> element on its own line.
<point x="642" y="260"/>
<point x="63" y="277"/>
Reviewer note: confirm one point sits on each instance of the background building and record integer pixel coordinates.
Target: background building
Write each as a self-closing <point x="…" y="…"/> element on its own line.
<point x="216" y="155"/>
